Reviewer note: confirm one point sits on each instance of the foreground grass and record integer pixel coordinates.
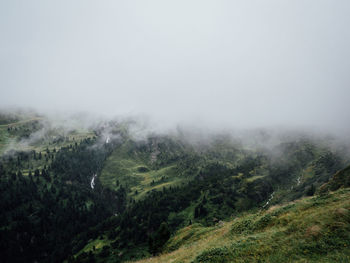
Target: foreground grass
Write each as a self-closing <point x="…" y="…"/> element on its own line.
<point x="315" y="229"/>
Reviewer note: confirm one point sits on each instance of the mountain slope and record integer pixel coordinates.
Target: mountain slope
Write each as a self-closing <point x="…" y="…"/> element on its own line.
<point x="102" y="194"/>
<point x="216" y="182"/>
<point x="315" y="229"/>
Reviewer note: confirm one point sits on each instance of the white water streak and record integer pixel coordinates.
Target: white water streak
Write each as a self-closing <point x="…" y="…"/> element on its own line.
<point x="92" y="183"/>
<point x="269" y="200"/>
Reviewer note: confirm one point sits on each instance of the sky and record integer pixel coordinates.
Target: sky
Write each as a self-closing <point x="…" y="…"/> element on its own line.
<point x="232" y="63"/>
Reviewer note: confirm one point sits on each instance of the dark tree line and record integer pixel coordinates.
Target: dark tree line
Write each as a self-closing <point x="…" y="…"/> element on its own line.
<point x="147" y="223"/>
<point x="52" y="213"/>
<point x="41" y="213"/>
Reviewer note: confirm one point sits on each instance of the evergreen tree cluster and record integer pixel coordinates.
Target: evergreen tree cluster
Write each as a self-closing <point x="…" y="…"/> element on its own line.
<point x="41" y="213"/>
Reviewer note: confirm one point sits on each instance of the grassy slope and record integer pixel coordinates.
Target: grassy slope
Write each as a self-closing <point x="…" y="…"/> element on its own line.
<point x="126" y="167"/>
<point x="315" y="229"/>
<point x="5" y="139"/>
<point x="125" y="163"/>
<point x="10" y="141"/>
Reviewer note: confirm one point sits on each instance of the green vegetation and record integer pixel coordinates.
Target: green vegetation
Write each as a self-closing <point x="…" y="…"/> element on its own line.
<point x="204" y="187"/>
<point x="45" y="197"/>
<point x="72" y="195"/>
<point x="134" y="170"/>
<point x="4" y="138"/>
<point x="43" y="211"/>
<point x="32" y="135"/>
<point x="313" y="229"/>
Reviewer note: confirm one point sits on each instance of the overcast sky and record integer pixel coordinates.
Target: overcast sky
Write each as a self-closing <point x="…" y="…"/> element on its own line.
<point x="238" y="63"/>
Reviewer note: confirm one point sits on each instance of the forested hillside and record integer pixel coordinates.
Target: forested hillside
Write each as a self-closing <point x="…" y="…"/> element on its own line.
<point x="100" y="193"/>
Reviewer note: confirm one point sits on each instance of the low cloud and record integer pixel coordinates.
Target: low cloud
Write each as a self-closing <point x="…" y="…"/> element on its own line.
<point x="216" y="64"/>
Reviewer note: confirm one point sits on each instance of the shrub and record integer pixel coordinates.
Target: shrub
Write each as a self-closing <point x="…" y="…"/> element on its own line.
<point x="214" y="255"/>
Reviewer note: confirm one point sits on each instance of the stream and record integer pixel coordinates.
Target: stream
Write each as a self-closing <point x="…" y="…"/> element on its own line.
<point x="92" y="183"/>
<point x="269" y="200"/>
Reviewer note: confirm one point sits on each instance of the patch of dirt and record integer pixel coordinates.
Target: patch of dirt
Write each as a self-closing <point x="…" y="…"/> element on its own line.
<point x="313" y="231"/>
<point x="341" y="212"/>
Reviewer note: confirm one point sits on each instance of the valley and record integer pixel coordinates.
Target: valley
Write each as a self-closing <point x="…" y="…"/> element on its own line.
<point x="165" y="199"/>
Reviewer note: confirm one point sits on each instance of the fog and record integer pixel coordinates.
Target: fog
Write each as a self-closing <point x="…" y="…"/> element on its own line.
<point x="245" y="64"/>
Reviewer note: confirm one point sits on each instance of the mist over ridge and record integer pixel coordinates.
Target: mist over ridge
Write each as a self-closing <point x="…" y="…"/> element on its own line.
<point x="213" y="64"/>
<point x="174" y="131"/>
<point x="143" y="128"/>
